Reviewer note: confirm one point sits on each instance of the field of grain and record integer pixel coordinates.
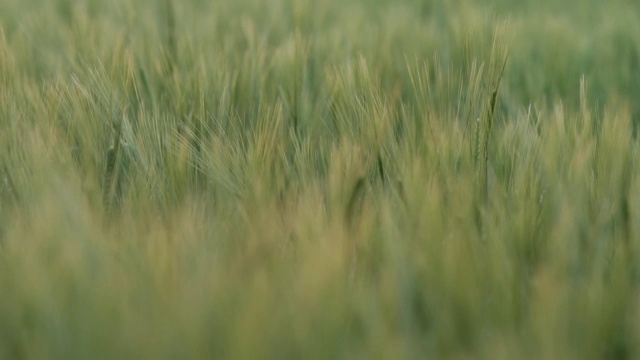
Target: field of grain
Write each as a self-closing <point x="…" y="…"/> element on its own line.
<point x="336" y="179"/>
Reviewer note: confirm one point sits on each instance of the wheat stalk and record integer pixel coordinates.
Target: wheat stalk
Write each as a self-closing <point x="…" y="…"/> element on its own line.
<point x="110" y="175"/>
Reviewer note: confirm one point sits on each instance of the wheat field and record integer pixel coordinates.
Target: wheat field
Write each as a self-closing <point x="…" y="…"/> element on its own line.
<point x="299" y="179"/>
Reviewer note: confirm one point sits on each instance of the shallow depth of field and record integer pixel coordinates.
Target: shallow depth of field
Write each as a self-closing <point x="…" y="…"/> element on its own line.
<point x="299" y="179"/>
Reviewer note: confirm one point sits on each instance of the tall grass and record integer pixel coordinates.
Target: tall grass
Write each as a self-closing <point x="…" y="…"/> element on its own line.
<point x="300" y="179"/>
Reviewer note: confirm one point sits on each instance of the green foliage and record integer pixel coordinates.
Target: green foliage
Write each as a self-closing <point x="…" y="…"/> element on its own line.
<point x="319" y="179"/>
